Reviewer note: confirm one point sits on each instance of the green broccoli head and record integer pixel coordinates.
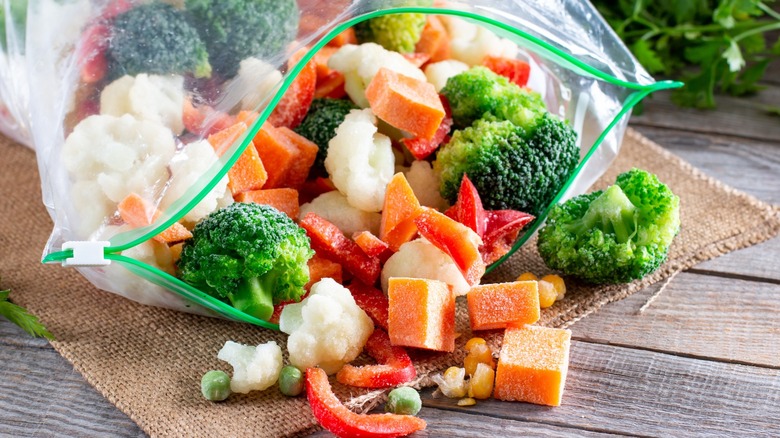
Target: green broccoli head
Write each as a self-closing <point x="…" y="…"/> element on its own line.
<point x="511" y="167"/>
<point x="252" y="255"/>
<point x="478" y="91"/>
<point x="156" y="38"/>
<point x="237" y="29"/>
<point x="319" y="126"/>
<point x="396" y="32"/>
<point x="613" y="236"/>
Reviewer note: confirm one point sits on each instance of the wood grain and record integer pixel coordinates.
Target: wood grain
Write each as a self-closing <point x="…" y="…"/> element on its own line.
<point x="759" y="262"/>
<point x="633" y="392"/>
<point x="704" y="316"/>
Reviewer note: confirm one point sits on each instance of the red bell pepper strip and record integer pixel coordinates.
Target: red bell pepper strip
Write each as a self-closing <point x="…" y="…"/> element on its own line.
<point x="372" y="301"/>
<point x="394" y="368"/>
<point x="295" y="103"/>
<point x="468" y="208"/>
<point x="454" y="239"/>
<point x="328" y="241"/>
<point x="515" y="70"/>
<point x="502" y="229"/>
<point x="342" y="422"/>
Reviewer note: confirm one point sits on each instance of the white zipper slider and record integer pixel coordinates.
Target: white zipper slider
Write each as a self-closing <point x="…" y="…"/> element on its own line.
<point x="86" y="253"/>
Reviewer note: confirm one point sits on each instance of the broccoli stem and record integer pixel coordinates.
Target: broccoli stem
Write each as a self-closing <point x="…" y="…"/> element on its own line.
<point x="255" y="297"/>
<point x="611" y="212"/>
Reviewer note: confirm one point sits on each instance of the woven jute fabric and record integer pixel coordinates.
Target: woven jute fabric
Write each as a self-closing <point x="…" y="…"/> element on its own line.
<point x="148" y="361"/>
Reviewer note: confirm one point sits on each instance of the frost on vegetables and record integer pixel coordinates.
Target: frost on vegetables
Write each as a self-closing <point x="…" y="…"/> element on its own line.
<point x="255" y="368"/>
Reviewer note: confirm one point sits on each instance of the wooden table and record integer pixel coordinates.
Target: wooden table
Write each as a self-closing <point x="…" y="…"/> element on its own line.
<point x="703" y="359"/>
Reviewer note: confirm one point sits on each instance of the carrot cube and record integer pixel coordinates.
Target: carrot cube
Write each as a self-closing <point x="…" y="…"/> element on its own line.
<point x="321" y="267"/>
<point x="306" y="153"/>
<point x="532" y="365"/>
<point x="276" y="152"/>
<point x="434" y="40"/>
<point x="405" y="103"/>
<point x="399" y="211"/>
<point x="248" y="172"/>
<point x="284" y="199"/>
<point x="421" y="314"/>
<point x="493" y="306"/>
<point x="138" y="212"/>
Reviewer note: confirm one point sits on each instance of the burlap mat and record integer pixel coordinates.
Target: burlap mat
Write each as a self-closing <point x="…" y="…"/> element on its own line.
<point x="148" y="361"/>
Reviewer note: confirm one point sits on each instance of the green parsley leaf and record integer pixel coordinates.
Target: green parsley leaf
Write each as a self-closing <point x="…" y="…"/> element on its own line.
<point x="647" y="57"/>
<point x="19" y="316"/>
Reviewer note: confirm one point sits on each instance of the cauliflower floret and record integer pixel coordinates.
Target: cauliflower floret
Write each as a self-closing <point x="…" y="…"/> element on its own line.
<point x="254" y="83"/>
<point x="425" y="185"/>
<point x="420" y="259"/>
<point x="360" y="161"/>
<point x="187" y="166"/>
<point x="438" y="72"/>
<point x="327" y="329"/>
<point x="470" y="42"/>
<point x="334" y="207"/>
<point x="254" y="368"/>
<point x="108" y="158"/>
<point x="146" y="97"/>
<point x="360" y="63"/>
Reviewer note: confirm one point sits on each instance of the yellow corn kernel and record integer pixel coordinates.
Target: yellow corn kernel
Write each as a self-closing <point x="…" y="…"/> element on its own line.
<point x="481" y="383"/>
<point x="525" y="276"/>
<point x="557" y="281"/>
<point x="468" y="401"/>
<point x="479" y="354"/>
<point x="547" y="294"/>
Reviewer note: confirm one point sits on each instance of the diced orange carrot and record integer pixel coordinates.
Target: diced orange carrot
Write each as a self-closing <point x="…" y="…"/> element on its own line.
<point x="248" y="173"/>
<point x="176" y="251"/>
<point x="331" y="86"/>
<point x="493" y="306"/>
<point x="276" y="152"/>
<point x="455" y="239"/>
<point x="321" y="61"/>
<point x="421" y="314"/>
<point x="283" y="199"/>
<point x="405" y="103"/>
<point x="247" y="117"/>
<point x="306" y="153"/>
<point x="532" y="365"/>
<point x="399" y="211"/>
<point x="345" y="37"/>
<point x="321" y="267"/>
<point x="434" y="40"/>
<point x="372" y="245"/>
<point x="138" y="212"/>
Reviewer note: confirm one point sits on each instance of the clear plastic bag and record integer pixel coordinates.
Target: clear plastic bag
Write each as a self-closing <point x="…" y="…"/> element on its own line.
<point x="109" y="129"/>
<point x="14" y="95"/>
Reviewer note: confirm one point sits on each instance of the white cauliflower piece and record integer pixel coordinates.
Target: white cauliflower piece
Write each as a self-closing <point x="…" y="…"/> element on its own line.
<point x="146" y="97"/>
<point x="360" y="63"/>
<point x="327" y="329"/>
<point x="470" y="43"/>
<point x="108" y="158"/>
<point x="255" y="81"/>
<point x="360" y="161"/>
<point x="421" y="259"/>
<point x="334" y="207"/>
<point x="187" y="166"/>
<point x="425" y="185"/>
<point x="438" y="72"/>
<point x="254" y="368"/>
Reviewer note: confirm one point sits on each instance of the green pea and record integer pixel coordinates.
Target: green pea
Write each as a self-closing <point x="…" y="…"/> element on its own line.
<point x="215" y="385"/>
<point x="403" y="401"/>
<point x="291" y="381"/>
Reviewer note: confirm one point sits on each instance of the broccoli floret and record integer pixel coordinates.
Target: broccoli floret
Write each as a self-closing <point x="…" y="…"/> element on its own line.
<point x="613" y="236"/>
<point x="156" y="38"/>
<point x="319" y="126"/>
<point x="237" y="29"/>
<point x="511" y="167"/>
<point x="478" y="91"/>
<point x="396" y="32"/>
<point x="251" y="255"/>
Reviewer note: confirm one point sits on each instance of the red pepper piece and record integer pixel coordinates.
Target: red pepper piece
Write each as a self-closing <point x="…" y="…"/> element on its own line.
<point x="418" y="59"/>
<point x="455" y="239"/>
<point x="342" y="422"/>
<point x="502" y="229"/>
<point x="327" y="240"/>
<point x="92" y="53"/>
<point x="394" y="368"/>
<point x="331" y="85"/>
<point x="205" y="120"/>
<point x="372" y="301"/>
<point x="372" y="245"/>
<point x="294" y="105"/>
<point x="468" y="208"/>
<point x="515" y="70"/>
<point x="422" y="147"/>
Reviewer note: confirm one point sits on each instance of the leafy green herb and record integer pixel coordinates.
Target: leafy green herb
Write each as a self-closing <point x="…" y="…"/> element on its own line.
<point x="19" y="316"/>
<point x="711" y="45"/>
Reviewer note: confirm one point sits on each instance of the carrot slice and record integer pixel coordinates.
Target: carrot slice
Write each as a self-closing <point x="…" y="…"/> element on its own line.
<point x="345" y="37"/>
<point x="138" y="212"/>
<point x="306" y="153"/>
<point x="276" y="152"/>
<point x="248" y="173"/>
<point x="282" y="199"/>
<point x="405" y="103"/>
<point x="400" y="209"/>
<point x="321" y="267"/>
<point x="434" y="40"/>
<point x="372" y="245"/>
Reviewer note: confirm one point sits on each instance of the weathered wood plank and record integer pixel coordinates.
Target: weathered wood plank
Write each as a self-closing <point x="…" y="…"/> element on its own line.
<point x="41" y="395"/>
<point x="734" y="116"/>
<point x="634" y="392"/>
<point x="747" y="165"/>
<point x="759" y="262"/>
<point x="698" y="315"/>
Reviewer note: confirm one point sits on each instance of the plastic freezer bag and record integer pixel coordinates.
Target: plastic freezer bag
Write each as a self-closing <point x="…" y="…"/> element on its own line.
<point x="14" y="96"/>
<point x="141" y="110"/>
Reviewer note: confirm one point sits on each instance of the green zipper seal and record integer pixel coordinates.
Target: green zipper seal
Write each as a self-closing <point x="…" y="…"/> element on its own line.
<point x="219" y="169"/>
